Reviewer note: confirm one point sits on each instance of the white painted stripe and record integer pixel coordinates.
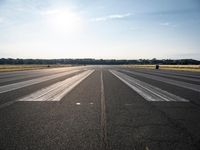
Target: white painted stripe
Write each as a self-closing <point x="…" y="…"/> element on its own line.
<point x="58" y="90"/>
<point x="14" y="86"/>
<point x="186" y="85"/>
<point x="170" y="75"/>
<point x="147" y="91"/>
<point x="7" y="104"/>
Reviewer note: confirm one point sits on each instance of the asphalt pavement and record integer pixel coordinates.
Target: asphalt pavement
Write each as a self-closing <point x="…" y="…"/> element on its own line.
<point x="100" y="108"/>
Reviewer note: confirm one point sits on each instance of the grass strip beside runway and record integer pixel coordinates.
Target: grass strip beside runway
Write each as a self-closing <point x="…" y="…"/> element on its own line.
<point x="193" y="68"/>
<point x="7" y="68"/>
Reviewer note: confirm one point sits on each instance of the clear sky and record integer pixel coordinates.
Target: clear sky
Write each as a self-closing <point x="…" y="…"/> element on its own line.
<point x="108" y="29"/>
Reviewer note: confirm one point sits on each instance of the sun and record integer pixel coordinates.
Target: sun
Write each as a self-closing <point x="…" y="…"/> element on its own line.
<point x="63" y="20"/>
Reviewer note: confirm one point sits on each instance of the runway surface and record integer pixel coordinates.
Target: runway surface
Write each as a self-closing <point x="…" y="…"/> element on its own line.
<point x="100" y="108"/>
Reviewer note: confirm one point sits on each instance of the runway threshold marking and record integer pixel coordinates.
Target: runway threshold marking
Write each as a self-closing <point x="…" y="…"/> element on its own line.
<point x="147" y="91"/>
<point x="182" y="84"/>
<point x="15" y="86"/>
<point x="58" y="90"/>
<point x="103" y="115"/>
<point x="171" y="75"/>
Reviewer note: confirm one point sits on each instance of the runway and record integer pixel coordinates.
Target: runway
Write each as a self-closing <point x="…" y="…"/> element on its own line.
<point x="100" y="108"/>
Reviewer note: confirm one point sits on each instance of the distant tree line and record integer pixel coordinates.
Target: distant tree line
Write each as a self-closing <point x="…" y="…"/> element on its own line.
<point x="98" y="61"/>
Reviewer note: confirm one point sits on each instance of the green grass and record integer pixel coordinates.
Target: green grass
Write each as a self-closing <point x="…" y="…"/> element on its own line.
<point x="193" y="68"/>
<point x="7" y="68"/>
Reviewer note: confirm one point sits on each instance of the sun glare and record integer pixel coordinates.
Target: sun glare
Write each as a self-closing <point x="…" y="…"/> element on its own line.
<point x="63" y="20"/>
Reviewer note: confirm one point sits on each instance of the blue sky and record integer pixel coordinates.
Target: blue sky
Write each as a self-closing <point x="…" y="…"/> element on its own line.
<point x="114" y="29"/>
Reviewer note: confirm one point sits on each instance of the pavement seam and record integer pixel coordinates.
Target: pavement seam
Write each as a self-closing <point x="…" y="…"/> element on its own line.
<point x="103" y="116"/>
